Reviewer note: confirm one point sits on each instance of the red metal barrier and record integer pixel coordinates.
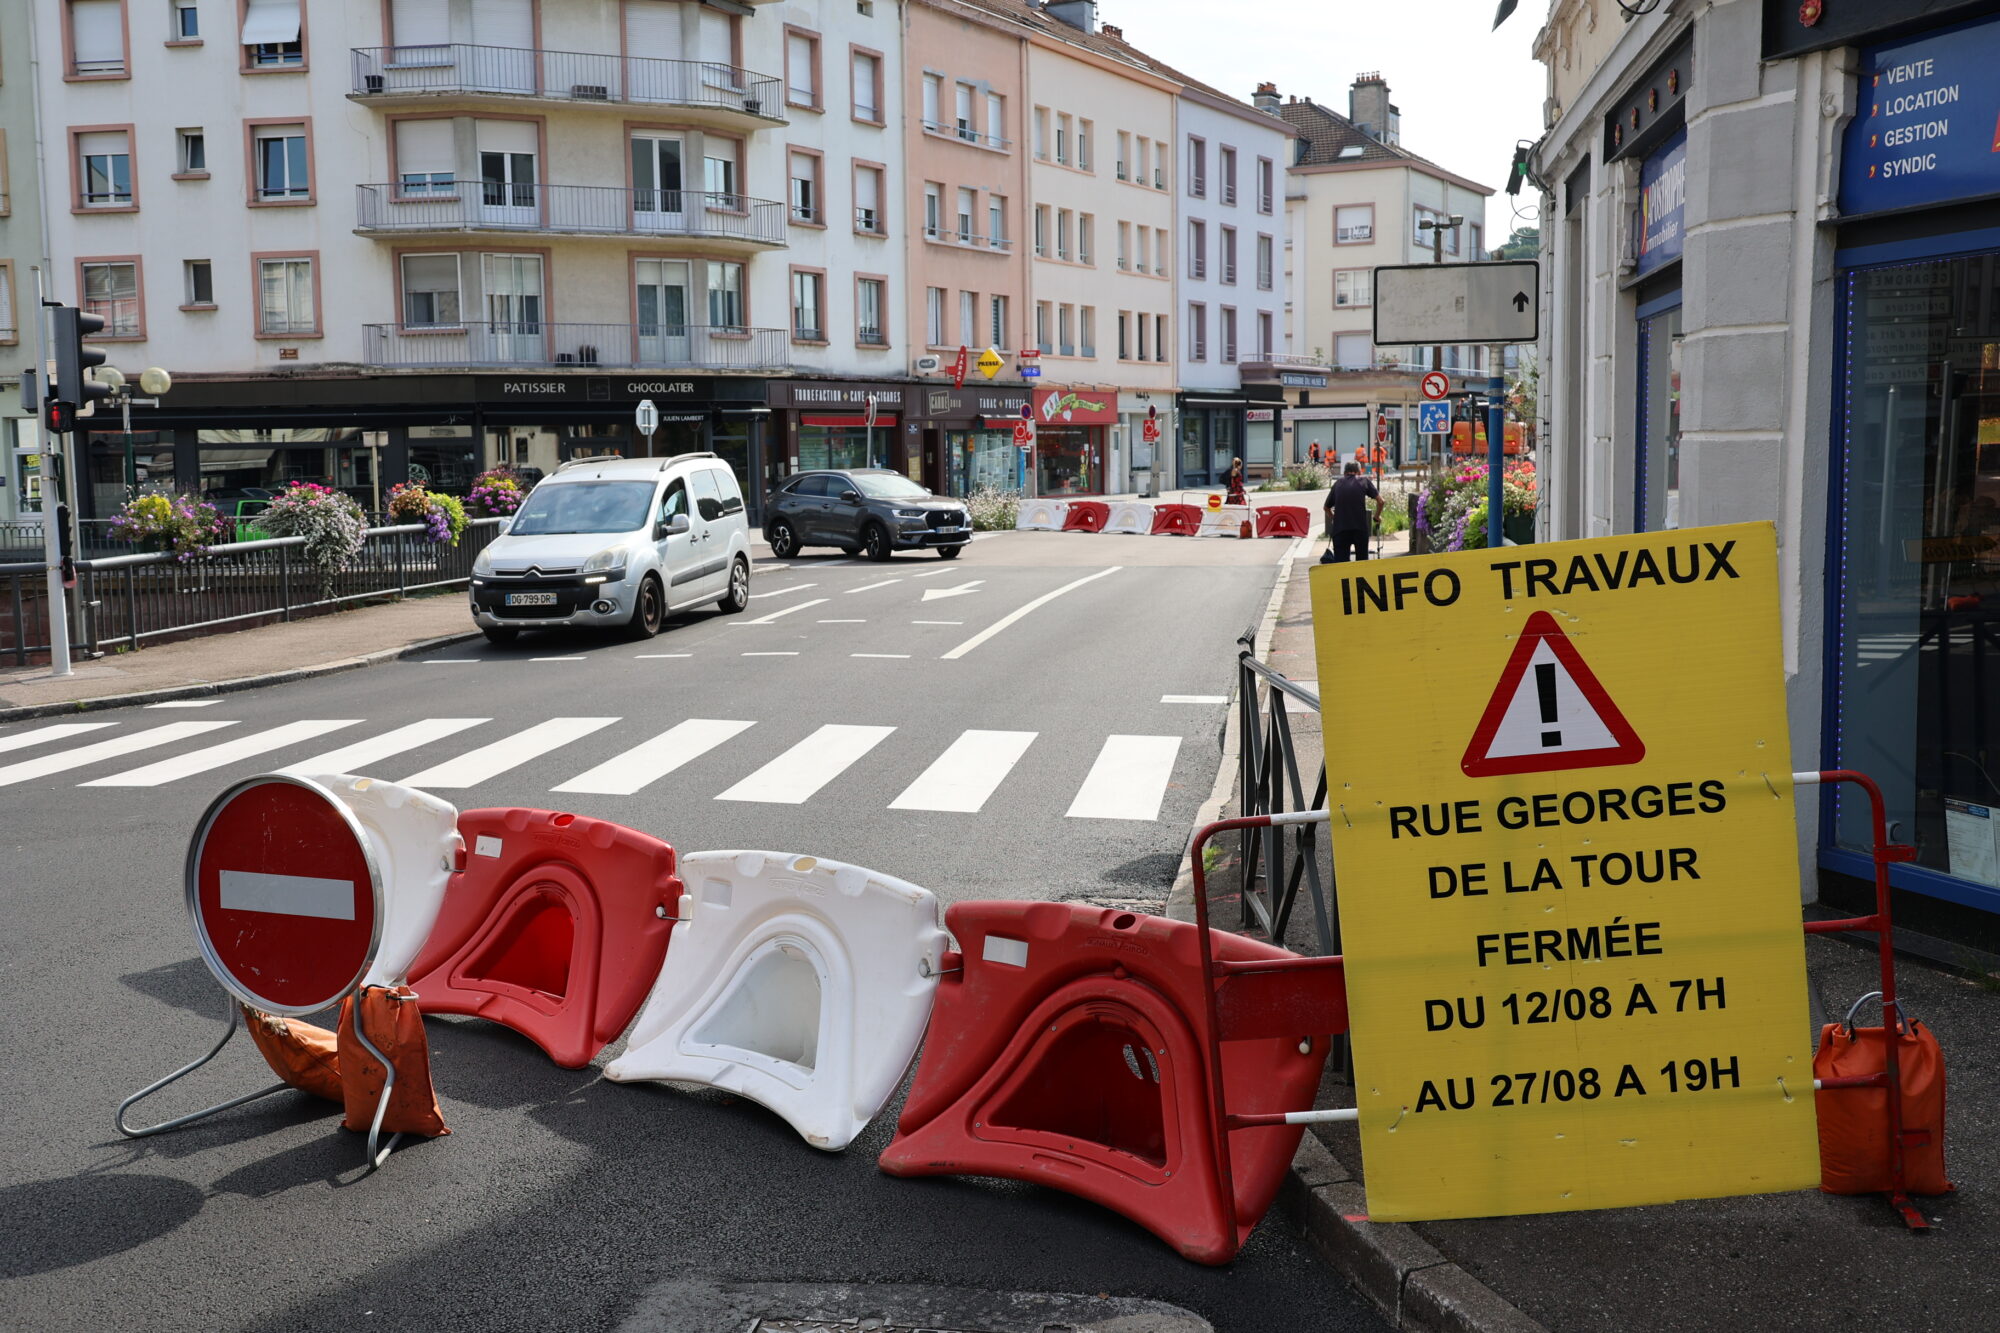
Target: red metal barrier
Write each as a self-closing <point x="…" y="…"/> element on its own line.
<point x="1885" y="854"/>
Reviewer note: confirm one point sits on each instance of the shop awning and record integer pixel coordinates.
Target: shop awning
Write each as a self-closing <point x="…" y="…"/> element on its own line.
<point x="886" y="419"/>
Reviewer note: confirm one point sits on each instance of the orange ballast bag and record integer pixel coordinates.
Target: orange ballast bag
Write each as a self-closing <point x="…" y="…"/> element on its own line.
<point x="396" y="1026"/>
<point x="1854" y="1122"/>
<point x="305" y="1056"/>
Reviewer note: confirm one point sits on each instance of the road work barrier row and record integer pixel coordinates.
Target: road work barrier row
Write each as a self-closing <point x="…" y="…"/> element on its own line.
<point x="1215" y="519"/>
<point x="1162" y="1069"/>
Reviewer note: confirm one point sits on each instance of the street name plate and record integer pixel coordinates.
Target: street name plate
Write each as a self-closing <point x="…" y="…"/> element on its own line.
<point x="1458" y="303"/>
<point x="1569" y="888"/>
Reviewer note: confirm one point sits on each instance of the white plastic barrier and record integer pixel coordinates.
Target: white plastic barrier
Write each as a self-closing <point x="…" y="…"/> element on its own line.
<point x="1041" y="515"/>
<point x="1130" y="516"/>
<point x="1227" y="521"/>
<point x="414" y="836"/>
<point x="801" y="984"/>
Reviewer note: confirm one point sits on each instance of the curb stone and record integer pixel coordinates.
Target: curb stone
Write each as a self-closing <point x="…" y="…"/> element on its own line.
<point x="210" y="687"/>
<point x="1414" y="1285"/>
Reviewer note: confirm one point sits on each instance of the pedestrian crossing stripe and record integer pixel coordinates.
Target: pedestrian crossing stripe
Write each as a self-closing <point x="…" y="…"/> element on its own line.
<point x="1549" y="712"/>
<point x="1128" y="778"/>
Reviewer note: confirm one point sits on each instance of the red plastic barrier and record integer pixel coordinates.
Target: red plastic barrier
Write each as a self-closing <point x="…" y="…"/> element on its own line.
<point x="1077" y="1049"/>
<point x="555" y="927"/>
<point x="1086" y="516"/>
<point x="1176" y="520"/>
<point x="1284" y="521"/>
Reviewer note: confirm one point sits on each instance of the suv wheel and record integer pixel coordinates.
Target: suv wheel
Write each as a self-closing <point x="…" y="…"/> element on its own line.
<point x="784" y="541"/>
<point x="949" y="552"/>
<point x="649" y="610"/>
<point x="875" y="543"/>
<point x="738" y="595"/>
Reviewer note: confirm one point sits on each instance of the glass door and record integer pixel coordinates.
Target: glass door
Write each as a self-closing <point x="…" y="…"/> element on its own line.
<point x="662" y="305"/>
<point x="656" y="184"/>
<point x="507" y="189"/>
<point x="514" y="307"/>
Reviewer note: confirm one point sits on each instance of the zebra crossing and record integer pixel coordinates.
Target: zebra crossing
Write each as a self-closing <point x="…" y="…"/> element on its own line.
<point x="1127" y="779"/>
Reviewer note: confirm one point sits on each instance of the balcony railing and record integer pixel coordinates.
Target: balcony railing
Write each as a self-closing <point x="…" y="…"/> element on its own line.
<point x="568" y="76"/>
<point x="576" y="346"/>
<point x="588" y="210"/>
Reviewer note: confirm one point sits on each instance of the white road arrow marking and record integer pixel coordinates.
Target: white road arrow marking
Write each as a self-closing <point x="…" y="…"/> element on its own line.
<point x="933" y="594"/>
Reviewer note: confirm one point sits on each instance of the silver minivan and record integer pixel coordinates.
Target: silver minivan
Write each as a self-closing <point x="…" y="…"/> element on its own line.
<point x="617" y="542"/>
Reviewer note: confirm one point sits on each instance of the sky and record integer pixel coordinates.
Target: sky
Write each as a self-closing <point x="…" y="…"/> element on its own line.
<point x="1467" y="93"/>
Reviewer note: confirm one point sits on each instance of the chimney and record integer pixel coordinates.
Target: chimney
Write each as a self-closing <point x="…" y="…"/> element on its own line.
<point x="1368" y="107"/>
<point x="1077" y="13"/>
<point x="1115" y="34"/>
<point x="1266" y="97"/>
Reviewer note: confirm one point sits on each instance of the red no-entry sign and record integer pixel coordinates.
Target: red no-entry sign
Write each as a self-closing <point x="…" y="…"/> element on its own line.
<point x="285" y="894"/>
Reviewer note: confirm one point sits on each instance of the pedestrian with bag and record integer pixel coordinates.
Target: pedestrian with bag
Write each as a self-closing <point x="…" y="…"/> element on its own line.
<point x="1348" y="522"/>
<point x="1233" y="487"/>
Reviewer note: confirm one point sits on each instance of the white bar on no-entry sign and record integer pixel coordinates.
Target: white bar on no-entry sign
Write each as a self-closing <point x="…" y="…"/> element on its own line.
<point x="1129" y="779"/>
<point x="287" y="895"/>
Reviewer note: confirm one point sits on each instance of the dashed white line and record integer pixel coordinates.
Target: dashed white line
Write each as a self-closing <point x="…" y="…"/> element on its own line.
<point x="780" y="592"/>
<point x="765" y="620"/>
<point x="1194" y="698"/>
<point x="870" y="587"/>
<point x="903" y="656"/>
<point x="843" y="622"/>
<point x="932" y="573"/>
<point x="655" y="657"/>
<point x="1015" y="616"/>
<point x="937" y="622"/>
<point x="770" y="654"/>
<point x="449" y="661"/>
<point x="185" y="703"/>
<point x="555" y="659"/>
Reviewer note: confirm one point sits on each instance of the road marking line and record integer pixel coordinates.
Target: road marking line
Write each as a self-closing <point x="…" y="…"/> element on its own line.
<point x="649" y="761"/>
<point x="765" y="620"/>
<point x="904" y="656"/>
<point x="111" y="749"/>
<point x="185" y="703"/>
<point x="488" y="761"/>
<point x="1014" y="616"/>
<point x="931" y="573"/>
<point x="770" y="654"/>
<point x="1194" y="698"/>
<point x="355" y="757"/>
<point x="937" y="622"/>
<point x="843" y="622"/>
<point x="449" y="661"/>
<point x="780" y="592"/>
<point x="793" y="777"/>
<point x="1129" y="779"/>
<point x="654" y="657"/>
<point x="50" y="733"/>
<point x="555" y="659"/>
<point x="967" y="774"/>
<point x="215" y="756"/>
<point x="870" y="587"/>
<point x="108" y="749"/>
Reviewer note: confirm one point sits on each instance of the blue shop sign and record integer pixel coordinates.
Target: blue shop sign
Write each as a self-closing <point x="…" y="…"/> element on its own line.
<point x="1663" y="203"/>
<point x="1927" y="130"/>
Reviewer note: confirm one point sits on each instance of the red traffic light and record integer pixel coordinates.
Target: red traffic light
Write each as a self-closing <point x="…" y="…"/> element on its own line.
<point x="60" y="417"/>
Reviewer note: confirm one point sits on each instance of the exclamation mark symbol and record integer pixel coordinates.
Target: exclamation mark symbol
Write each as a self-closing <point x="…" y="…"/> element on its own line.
<point x="1545" y="685"/>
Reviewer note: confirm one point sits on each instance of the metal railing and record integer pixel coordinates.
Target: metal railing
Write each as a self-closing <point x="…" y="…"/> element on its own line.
<point x="128" y="599"/>
<point x="534" y="343"/>
<point x="569" y="76"/>
<point x="581" y="210"/>
<point x="1270" y="782"/>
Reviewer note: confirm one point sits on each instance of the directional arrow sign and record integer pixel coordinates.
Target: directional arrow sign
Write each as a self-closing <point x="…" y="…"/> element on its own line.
<point x="1457" y="303"/>
<point x="933" y="594"/>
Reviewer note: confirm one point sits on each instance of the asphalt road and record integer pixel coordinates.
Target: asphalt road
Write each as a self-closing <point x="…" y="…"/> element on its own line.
<point x="560" y="1200"/>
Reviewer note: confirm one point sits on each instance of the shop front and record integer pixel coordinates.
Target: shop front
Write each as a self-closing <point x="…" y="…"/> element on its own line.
<point x="840" y="424"/>
<point x="1071" y="446"/>
<point x="1913" y="592"/>
<point x="966" y="437"/>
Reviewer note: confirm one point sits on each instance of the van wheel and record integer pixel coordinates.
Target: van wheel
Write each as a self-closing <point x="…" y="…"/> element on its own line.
<point x="650" y="610"/>
<point x="875" y="543"/>
<point x="784" y="541"/>
<point x="498" y="636"/>
<point x="738" y="595"/>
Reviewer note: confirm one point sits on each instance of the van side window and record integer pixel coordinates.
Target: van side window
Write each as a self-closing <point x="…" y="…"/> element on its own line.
<point x="707" y="498"/>
<point x="732" y="497"/>
<point x="675" y="501"/>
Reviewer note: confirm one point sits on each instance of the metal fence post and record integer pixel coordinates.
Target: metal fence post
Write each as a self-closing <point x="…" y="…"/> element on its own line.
<point x="285" y="582"/>
<point x="402" y="579"/>
<point x="132" y="607"/>
<point x="20" y="622"/>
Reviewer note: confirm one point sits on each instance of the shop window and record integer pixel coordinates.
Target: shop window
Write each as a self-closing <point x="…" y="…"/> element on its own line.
<point x="1658" y="462"/>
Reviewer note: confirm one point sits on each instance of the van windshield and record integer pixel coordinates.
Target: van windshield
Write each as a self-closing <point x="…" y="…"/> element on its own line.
<point x="584" y="506"/>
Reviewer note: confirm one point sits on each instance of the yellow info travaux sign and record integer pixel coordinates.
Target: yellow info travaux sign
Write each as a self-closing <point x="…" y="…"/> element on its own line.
<point x="1568" y="875"/>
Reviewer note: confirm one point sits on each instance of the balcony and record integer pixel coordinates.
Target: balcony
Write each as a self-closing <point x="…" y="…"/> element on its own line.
<point x="532" y="343"/>
<point x="410" y="75"/>
<point x="442" y="207"/>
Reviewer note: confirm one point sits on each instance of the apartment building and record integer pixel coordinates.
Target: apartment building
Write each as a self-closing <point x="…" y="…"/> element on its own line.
<point x="1227" y="290"/>
<point x="966" y="195"/>
<point x="20" y="252"/>
<point x="1356" y="200"/>
<point x="421" y="238"/>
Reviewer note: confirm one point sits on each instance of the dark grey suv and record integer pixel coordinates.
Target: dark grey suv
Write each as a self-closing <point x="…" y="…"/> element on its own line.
<point x="872" y="510"/>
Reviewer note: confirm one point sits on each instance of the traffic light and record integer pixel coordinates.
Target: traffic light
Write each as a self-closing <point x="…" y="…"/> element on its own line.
<point x="1519" y="171"/>
<point x="75" y="394"/>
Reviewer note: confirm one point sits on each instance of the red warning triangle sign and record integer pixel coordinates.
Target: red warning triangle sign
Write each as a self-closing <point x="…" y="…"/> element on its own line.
<point x="1549" y="713"/>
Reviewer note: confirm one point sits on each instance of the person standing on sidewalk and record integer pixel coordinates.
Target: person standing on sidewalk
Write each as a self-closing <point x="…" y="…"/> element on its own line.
<point x="1233" y="487"/>
<point x="1348" y="521"/>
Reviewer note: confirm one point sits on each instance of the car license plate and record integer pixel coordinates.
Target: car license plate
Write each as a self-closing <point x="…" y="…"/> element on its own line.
<point x="531" y="599"/>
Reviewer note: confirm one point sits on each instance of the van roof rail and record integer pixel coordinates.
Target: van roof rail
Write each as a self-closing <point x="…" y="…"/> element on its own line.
<point x="699" y="453"/>
<point x="592" y="458"/>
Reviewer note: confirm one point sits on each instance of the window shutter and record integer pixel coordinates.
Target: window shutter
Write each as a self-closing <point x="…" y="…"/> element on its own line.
<point x="508" y="23"/>
<point x="867" y="189"/>
<point x="653" y="29"/>
<point x="425" y="147"/>
<point x="507" y="136"/>
<point x="270" y="21"/>
<point x="97" y="32"/>
<point x="718" y="42"/>
<point x="420" y="22"/>
<point x="799" y="63"/>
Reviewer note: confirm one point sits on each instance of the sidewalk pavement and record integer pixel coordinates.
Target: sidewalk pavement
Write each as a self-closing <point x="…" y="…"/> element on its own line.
<point x="1801" y="1260"/>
